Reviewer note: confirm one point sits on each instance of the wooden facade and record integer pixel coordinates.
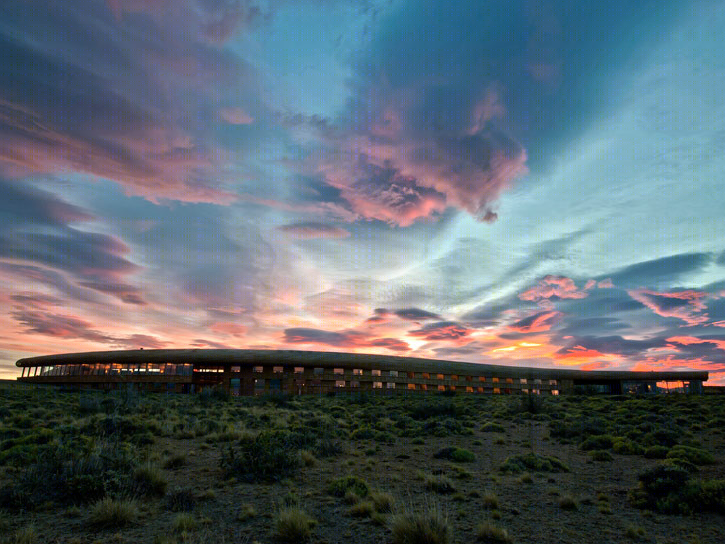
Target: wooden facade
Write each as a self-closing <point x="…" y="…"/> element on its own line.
<point x="255" y="372"/>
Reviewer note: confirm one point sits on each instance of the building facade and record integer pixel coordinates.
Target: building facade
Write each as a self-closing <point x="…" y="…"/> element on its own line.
<point x="257" y="372"/>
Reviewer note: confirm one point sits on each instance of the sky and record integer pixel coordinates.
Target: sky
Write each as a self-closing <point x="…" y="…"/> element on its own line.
<point x="517" y="182"/>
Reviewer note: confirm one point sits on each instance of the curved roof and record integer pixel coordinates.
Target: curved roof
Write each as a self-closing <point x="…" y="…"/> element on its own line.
<point x="346" y="360"/>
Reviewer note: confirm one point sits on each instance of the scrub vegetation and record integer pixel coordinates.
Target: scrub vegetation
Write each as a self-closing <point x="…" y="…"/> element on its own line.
<point x="402" y="468"/>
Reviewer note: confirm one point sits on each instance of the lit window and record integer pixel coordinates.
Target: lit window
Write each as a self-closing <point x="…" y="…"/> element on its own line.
<point x="480" y="389"/>
<point x="509" y="380"/>
<point x="454" y="377"/>
<point x="411" y="386"/>
<point x="411" y="375"/>
<point x="339" y="383"/>
<point x="441" y="388"/>
<point x="357" y="372"/>
<point x="377" y="385"/>
<point x="554" y="391"/>
<point x="394" y="373"/>
<point x="552" y="382"/>
<point x="440" y="377"/>
<point x="299" y="370"/>
<point x="277" y="369"/>
<point x="495" y="380"/>
<point x="481" y="379"/>
<point x="391" y="385"/>
<point x="339" y="370"/>
<point x="258" y="369"/>
<point x="469" y="389"/>
<point x="424" y="387"/>
<point x="453" y="387"/>
<point x="496" y="391"/>
<point x="523" y="380"/>
<point x="426" y="376"/>
<point x="236" y="369"/>
<point x="524" y="390"/>
<point x="376" y="372"/>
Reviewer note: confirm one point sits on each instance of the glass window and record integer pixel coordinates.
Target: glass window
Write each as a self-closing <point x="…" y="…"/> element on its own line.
<point x="480" y="389"/>
<point x="496" y="391"/>
<point x="318" y="371"/>
<point x="523" y="380"/>
<point x="299" y="370"/>
<point x="454" y="377"/>
<point x="277" y="369"/>
<point x="236" y="369"/>
<point x="469" y="378"/>
<point x="376" y="372"/>
<point x="440" y="377"/>
<point x="426" y="375"/>
<point x="339" y="383"/>
<point x="394" y="373"/>
<point x="552" y="382"/>
<point x="377" y="385"/>
<point x="411" y="386"/>
<point x="258" y="369"/>
<point x="453" y="388"/>
<point x="481" y="379"/>
<point x="354" y="383"/>
<point x="339" y="370"/>
<point x="411" y="375"/>
<point x="441" y="388"/>
<point x="424" y="387"/>
<point x="495" y="380"/>
<point x="391" y="385"/>
<point x="509" y="380"/>
<point x="469" y="389"/>
<point x="357" y="371"/>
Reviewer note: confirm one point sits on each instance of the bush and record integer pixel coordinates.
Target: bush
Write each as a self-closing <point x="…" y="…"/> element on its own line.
<point x="267" y="457"/>
<point x="149" y="481"/>
<point x="624" y="446"/>
<point x="601" y="455"/>
<point x="600" y="442"/>
<point x="567" y="502"/>
<point x="341" y="486"/>
<point x="427" y="527"/>
<point x="294" y="525"/>
<point x="532" y="461"/>
<point x="492" y="427"/>
<point x="181" y="500"/>
<point x="383" y="502"/>
<point x="439" y="484"/>
<point x="656" y="452"/>
<point x="184" y="523"/>
<point x="490" y="501"/>
<point x="486" y="532"/>
<point x="696" y="456"/>
<point x="363" y="509"/>
<point x="175" y="461"/>
<point x="459" y="455"/>
<point x="112" y="513"/>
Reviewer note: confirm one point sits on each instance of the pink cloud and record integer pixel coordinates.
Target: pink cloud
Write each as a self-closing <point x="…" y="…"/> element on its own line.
<point x="539" y="322"/>
<point x="606" y="284"/>
<point x="233" y="329"/>
<point x="578" y="352"/>
<point x="689" y="340"/>
<point x="685" y="305"/>
<point x="445" y="330"/>
<point x="235" y="116"/>
<point x="553" y="286"/>
<point x="311" y="230"/>
<point x="349" y="339"/>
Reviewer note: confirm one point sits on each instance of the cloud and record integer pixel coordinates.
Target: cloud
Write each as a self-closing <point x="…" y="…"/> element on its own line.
<point x="539" y="322"/>
<point x="60" y="326"/>
<point x="136" y="341"/>
<point x="685" y="305"/>
<point x="717" y="342"/>
<point x="233" y="329"/>
<point x="341" y="339"/>
<point x="553" y="287"/>
<point x="664" y="271"/>
<point x="123" y="292"/>
<point x="443" y="330"/>
<point x="36" y="300"/>
<point x="415" y="314"/>
<point x="235" y="116"/>
<point x="310" y="230"/>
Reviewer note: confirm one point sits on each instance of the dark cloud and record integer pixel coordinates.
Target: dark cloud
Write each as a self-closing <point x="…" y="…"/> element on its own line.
<point x="539" y="322"/>
<point x="200" y="342"/>
<point x="136" y="341"/>
<point x="415" y="314"/>
<point x="666" y="271"/>
<point x="688" y="305"/>
<point x="309" y="230"/>
<point x="36" y="300"/>
<point x="123" y="292"/>
<point x="443" y="330"/>
<point x="343" y="339"/>
<point x="614" y="345"/>
<point x="60" y="326"/>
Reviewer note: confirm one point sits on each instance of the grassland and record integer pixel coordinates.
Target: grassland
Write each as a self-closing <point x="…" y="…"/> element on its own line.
<point x="406" y="469"/>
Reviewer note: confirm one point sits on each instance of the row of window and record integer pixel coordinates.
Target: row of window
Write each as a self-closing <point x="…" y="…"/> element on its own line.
<point x="109" y="369"/>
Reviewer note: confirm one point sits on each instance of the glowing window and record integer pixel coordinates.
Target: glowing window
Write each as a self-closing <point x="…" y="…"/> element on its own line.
<point x="453" y="387"/>
<point x="391" y="385"/>
<point x="496" y="391"/>
<point x="411" y="386"/>
<point x="426" y="375"/>
<point x="523" y="380"/>
<point x="440" y="377"/>
<point x="258" y="369"/>
<point x="424" y="387"/>
<point x="236" y="369"/>
<point x="441" y="388"/>
<point x="495" y="380"/>
<point x="277" y="369"/>
<point x="480" y="389"/>
<point x="394" y="373"/>
<point x="339" y="383"/>
<point x="357" y="371"/>
<point x="376" y="372"/>
<point x="524" y="390"/>
<point x="509" y="380"/>
<point x="454" y="377"/>
<point x="481" y="379"/>
<point x="377" y="385"/>
<point x="552" y="382"/>
<point x="339" y="371"/>
<point x="554" y="391"/>
<point x="469" y="389"/>
<point x="299" y="370"/>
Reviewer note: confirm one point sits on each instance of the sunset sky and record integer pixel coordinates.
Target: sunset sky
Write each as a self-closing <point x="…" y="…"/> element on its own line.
<point x="520" y="182"/>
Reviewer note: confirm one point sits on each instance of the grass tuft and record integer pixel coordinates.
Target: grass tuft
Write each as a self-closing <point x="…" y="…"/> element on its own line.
<point x="113" y="513"/>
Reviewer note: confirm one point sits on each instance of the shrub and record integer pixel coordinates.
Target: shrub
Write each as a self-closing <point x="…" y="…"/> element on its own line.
<point x="656" y="452"/>
<point x="341" y="486"/>
<point x="26" y="535"/>
<point x="534" y="462"/>
<point x="601" y="455"/>
<point x="490" y="501"/>
<point x="624" y="446"/>
<point x="184" y="523"/>
<point x="293" y="525"/>
<point x="268" y="456"/>
<point x="181" y="500"/>
<point x="439" y="484"/>
<point x="600" y="442"/>
<point x="492" y="427"/>
<point x="112" y="513"/>
<point x="383" y="502"/>
<point x="427" y="527"/>
<point x="149" y="481"/>
<point x="452" y="453"/>
<point x="246" y="512"/>
<point x="486" y="532"/>
<point x="175" y="461"/>
<point x="696" y="456"/>
<point x="567" y="502"/>
<point x="362" y="509"/>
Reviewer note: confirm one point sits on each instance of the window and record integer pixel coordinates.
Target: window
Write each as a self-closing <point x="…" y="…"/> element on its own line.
<point x="454" y="377"/>
<point x="278" y="369"/>
<point x="391" y="385"/>
<point x="394" y="373"/>
<point x="496" y="390"/>
<point x="495" y="380"/>
<point x="357" y="371"/>
<point x="423" y="387"/>
<point x="339" y="383"/>
<point x="469" y="378"/>
<point x="537" y="381"/>
<point x="411" y="375"/>
<point x="318" y="371"/>
<point x="554" y="391"/>
<point x="523" y="380"/>
<point x="480" y="389"/>
<point x="236" y="369"/>
<point x="469" y="389"/>
<point x="524" y="390"/>
<point x="339" y="371"/>
<point x="440" y="377"/>
<point x="482" y="379"/>
<point x="355" y="383"/>
<point x="259" y="383"/>
<point x="376" y="372"/>
<point x="411" y="386"/>
<point x="299" y="370"/>
<point x="441" y="388"/>
<point x="377" y="385"/>
<point x="453" y="388"/>
<point x="509" y="380"/>
<point x="426" y="375"/>
<point x="552" y="382"/>
<point x="258" y="369"/>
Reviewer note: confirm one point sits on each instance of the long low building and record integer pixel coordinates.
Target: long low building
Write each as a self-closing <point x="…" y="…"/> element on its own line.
<point x="256" y="372"/>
